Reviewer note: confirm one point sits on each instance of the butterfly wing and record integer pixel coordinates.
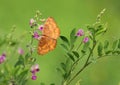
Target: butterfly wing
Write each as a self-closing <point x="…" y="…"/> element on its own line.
<point x="51" y="29"/>
<point x="45" y="45"/>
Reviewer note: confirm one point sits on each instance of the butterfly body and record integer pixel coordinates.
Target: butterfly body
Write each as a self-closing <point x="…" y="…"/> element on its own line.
<point x="48" y="40"/>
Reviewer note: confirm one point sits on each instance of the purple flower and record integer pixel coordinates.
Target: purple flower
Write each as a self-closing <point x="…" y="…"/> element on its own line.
<point x="35" y="68"/>
<point x="36" y="35"/>
<point x="20" y="51"/>
<point x="2" y="58"/>
<point x="40" y="27"/>
<point x="34" y="77"/>
<point x="32" y="21"/>
<point x="86" y="39"/>
<point x="80" y="32"/>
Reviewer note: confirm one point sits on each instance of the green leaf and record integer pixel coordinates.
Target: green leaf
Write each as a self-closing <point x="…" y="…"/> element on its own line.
<point x="72" y="46"/>
<point x="71" y="57"/>
<point x="90" y="49"/>
<point x="78" y="82"/>
<point x="66" y="75"/>
<point x="42" y="83"/>
<point x="22" y="75"/>
<point x="99" y="28"/>
<point x="100" y="48"/>
<point x="116" y="52"/>
<point x="115" y="44"/>
<point x="16" y="71"/>
<point x="27" y="56"/>
<point x="119" y="44"/>
<point x="13" y="43"/>
<point x="63" y="66"/>
<point x="32" y="60"/>
<point x="20" y="61"/>
<point x="52" y="84"/>
<point x="64" y="47"/>
<point x="106" y="44"/>
<point x="24" y="81"/>
<point x="83" y="51"/>
<point x="59" y="70"/>
<point x="86" y="46"/>
<point x="65" y="40"/>
<point x="73" y="37"/>
<point x="92" y="30"/>
<point x="76" y="54"/>
<point x="103" y="29"/>
<point x="102" y="32"/>
<point x="108" y="52"/>
<point x="6" y="68"/>
<point x="68" y="64"/>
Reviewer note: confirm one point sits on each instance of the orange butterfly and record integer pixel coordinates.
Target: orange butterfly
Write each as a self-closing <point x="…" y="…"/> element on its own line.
<point x="48" y="40"/>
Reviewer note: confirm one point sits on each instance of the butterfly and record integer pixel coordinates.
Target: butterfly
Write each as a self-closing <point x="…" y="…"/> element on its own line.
<point x="48" y="39"/>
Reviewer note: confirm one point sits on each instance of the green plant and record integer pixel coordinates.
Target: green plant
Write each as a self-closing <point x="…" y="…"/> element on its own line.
<point x="80" y="49"/>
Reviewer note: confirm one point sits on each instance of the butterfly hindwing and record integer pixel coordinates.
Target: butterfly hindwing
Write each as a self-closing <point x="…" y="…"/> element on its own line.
<point x="46" y="44"/>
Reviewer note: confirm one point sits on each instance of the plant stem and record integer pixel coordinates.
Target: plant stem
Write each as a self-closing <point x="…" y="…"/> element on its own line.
<point x="78" y="73"/>
<point x="94" y="44"/>
<point x="79" y="45"/>
<point x="85" y="65"/>
<point x="76" y="62"/>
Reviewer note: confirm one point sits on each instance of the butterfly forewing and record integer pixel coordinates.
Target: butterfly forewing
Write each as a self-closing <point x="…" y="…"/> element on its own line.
<point x="51" y="29"/>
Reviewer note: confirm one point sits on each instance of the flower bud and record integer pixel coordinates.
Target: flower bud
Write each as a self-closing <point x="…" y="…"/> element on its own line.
<point x="20" y="51"/>
<point x="36" y="35"/>
<point x="34" y="77"/>
<point x="80" y="32"/>
<point x="2" y="58"/>
<point x="40" y="27"/>
<point x="86" y="39"/>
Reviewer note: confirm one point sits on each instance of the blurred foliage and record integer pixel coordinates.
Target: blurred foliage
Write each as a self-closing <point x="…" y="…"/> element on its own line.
<point x="68" y="14"/>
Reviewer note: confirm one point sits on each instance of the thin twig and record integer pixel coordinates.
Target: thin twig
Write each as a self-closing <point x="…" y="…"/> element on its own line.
<point x="85" y="65"/>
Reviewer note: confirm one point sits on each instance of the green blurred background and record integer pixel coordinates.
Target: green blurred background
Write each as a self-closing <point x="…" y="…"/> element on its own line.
<point x="68" y="14"/>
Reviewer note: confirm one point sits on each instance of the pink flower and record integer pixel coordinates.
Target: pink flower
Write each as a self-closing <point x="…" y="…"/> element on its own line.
<point x="34" y="77"/>
<point x="20" y="51"/>
<point x="36" y="35"/>
<point x="2" y="58"/>
<point x="86" y="39"/>
<point x="80" y="32"/>
<point x="32" y="21"/>
<point x="40" y="27"/>
<point x="35" y="68"/>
